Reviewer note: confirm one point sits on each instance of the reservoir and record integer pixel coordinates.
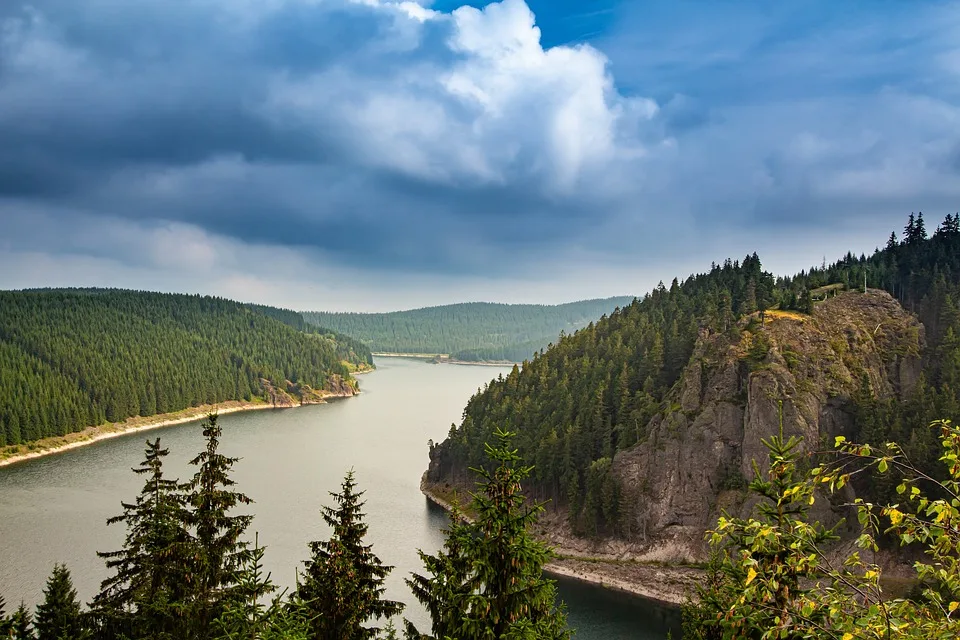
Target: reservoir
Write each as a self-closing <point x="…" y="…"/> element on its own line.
<point x="54" y="509"/>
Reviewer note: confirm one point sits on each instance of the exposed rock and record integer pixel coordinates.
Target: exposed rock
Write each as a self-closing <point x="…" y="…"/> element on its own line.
<point x="301" y="393"/>
<point x="698" y="454"/>
<point x="697" y="460"/>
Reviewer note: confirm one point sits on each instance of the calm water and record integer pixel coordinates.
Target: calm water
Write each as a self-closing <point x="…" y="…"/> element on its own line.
<point x="54" y="509"/>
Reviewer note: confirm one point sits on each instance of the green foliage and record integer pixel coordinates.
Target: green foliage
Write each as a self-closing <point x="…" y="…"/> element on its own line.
<point x="764" y="565"/>
<point x="487" y="582"/>
<point x="342" y="583"/>
<point x="772" y="577"/>
<point x="218" y="549"/>
<point x="244" y="614"/>
<point x="146" y="595"/>
<point x="472" y="331"/>
<point x="76" y="358"/>
<point x="21" y="624"/>
<point x="58" y="616"/>
<point x="185" y="572"/>
<point x="595" y="392"/>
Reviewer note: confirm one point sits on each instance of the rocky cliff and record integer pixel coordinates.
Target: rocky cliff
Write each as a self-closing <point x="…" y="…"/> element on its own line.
<point x="300" y="393"/>
<point x="698" y="455"/>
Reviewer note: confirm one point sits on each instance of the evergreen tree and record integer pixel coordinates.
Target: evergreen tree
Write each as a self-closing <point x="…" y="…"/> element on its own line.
<point x="146" y="595"/>
<point x="920" y="230"/>
<point x="244" y="614"/>
<point x="58" y="616"/>
<point x="487" y="582"/>
<point x="892" y="241"/>
<point x="75" y="358"/>
<point x="448" y="582"/>
<point x="21" y="627"/>
<point x="6" y="624"/>
<point x="342" y="583"/>
<point x="218" y="550"/>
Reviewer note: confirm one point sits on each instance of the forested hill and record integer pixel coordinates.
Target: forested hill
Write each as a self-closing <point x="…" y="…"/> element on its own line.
<point x="74" y="358"/>
<point x="470" y="331"/>
<point x="639" y="423"/>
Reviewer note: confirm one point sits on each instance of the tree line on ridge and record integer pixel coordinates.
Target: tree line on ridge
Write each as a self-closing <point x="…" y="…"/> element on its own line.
<point x="73" y="358"/>
<point x="472" y="331"/>
<point x="593" y="393"/>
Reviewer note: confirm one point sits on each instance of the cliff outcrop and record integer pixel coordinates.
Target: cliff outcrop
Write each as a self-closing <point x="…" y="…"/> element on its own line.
<point x="299" y="393"/>
<point x="698" y="454"/>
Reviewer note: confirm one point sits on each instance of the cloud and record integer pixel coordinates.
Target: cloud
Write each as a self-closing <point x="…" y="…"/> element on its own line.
<point x="340" y="126"/>
<point x="447" y="144"/>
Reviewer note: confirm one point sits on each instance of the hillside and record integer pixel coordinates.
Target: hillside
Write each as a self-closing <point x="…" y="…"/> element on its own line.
<point x="473" y="331"/>
<point x="76" y="358"/>
<point x="643" y="425"/>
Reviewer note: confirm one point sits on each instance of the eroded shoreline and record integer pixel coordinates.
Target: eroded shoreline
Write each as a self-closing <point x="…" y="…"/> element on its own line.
<point x="91" y="435"/>
<point x="667" y="585"/>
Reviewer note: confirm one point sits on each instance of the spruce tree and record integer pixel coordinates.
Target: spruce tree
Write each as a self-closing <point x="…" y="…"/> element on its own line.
<point x="58" y="616"/>
<point x="487" y="582"/>
<point x="21" y="624"/>
<point x="447" y="580"/>
<point x="146" y="594"/>
<point x="244" y="614"/>
<point x="6" y="623"/>
<point x="920" y="230"/>
<point x="218" y="548"/>
<point x="342" y="583"/>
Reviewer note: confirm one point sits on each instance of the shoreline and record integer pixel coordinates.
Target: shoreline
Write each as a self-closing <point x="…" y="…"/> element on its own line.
<point x="666" y="585"/>
<point x="90" y="435"/>
<point x="443" y="358"/>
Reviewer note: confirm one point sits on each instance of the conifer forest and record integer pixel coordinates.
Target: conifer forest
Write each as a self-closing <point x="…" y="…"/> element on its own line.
<point x="74" y="358"/>
<point x="541" y="449"/>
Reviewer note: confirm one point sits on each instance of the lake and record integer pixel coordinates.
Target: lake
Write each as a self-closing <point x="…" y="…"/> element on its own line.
<point x="54" y="509"/>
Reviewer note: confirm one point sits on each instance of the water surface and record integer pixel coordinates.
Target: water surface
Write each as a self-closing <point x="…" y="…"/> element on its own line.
<point x="54" y="509"/>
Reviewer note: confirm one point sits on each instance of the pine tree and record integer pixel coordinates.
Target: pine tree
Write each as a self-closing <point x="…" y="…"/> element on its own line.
<point x="218" y="549"/>
<point x="145" y="596"/>
<point x="920" y="230"/>
<point x="342" y="583"/>
<point x="6" y="624"/>
<point x="448" y="580"/>
<point x="892" y="241"/>
<point x="58" y="616"/>
<point x="21" y="624"/>
<point x="488" y="580"/>
<point x="244" y="614"/>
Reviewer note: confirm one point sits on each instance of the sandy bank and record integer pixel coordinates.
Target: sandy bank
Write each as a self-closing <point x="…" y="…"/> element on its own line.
<point x="90" y="435"/>
<point x="665" y="584"/>
<point x="442" y="358"/>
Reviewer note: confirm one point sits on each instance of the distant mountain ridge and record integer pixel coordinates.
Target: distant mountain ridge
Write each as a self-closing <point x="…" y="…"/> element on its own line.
<point x="470" y="331"/>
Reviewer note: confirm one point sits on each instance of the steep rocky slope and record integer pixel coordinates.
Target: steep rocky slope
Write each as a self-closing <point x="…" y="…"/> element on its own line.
<point x="699" y="454"/>
<point x="698" y="450"/>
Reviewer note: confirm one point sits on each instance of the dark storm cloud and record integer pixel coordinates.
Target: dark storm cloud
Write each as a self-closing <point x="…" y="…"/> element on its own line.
<point x="160" y="111"/>
<point x="438" y="142"/>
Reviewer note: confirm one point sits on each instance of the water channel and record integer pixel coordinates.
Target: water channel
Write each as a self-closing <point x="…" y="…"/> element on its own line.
<point x="54" y="509"/>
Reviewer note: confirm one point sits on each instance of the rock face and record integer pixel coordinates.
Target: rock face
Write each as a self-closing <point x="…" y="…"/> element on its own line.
<point x="698" y="455"/>
<point x="336" y="386"/>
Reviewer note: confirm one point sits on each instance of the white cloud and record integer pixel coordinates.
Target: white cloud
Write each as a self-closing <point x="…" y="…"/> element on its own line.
<point x="505" y="110"/>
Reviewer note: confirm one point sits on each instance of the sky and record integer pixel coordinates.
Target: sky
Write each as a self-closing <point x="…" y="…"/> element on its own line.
<point x="371" y="155"/>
